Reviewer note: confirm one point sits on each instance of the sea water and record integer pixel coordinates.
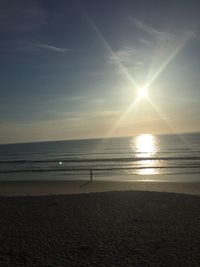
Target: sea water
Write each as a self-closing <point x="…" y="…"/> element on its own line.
<point x="111" y="158"/>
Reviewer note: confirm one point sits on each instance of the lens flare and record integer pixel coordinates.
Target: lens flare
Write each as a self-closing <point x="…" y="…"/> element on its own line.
<point x="142" y="93"/>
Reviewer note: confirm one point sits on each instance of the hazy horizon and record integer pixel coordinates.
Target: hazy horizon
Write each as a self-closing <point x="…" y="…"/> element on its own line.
<point x="102" y="138"/>
<point x="84" y="70"/>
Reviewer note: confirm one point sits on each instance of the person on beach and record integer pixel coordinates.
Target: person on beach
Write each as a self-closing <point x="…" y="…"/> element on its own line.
<point x="90" y="175"/>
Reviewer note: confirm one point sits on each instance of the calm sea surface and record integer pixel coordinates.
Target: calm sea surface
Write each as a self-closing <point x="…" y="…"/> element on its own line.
<point x="115" y="157"/>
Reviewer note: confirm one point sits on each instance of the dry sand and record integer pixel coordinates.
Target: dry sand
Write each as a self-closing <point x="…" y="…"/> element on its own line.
<point x="121" y="228"/>
<point x="101" y="229"/>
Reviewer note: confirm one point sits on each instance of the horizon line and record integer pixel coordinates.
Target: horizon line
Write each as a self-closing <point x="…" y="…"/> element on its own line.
<point x="94" y="138"/>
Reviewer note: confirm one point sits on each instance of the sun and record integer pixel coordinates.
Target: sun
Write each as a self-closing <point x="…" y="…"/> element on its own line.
<point x="142" y="92"/>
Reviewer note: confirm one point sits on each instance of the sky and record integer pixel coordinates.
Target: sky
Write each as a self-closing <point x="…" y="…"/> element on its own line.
<point x="76" y="69"/>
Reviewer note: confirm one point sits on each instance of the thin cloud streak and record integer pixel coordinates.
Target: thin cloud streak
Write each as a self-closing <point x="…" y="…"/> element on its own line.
<point x="34" y="46"/>
<point x="149" y="29"/>
<point x="141" y="25"/>
<point x="130" y="57"/>
<point x="52" y="47"/>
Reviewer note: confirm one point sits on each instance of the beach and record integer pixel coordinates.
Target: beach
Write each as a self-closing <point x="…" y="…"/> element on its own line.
<point x="157" y="183"/>
<point x="99" y="223"/>
<point x="99" y="133"/>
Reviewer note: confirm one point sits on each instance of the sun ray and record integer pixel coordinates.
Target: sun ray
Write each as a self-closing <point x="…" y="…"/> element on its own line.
<point x="169" y="125"/>
<point x="144" y="91"/>
<point x="123" y="116"/>
<point x="121" y="66"/>
<point x="172" y="55"/>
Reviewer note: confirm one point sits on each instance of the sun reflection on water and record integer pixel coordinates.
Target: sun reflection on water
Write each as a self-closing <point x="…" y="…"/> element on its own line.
<point x="145" y="146"/>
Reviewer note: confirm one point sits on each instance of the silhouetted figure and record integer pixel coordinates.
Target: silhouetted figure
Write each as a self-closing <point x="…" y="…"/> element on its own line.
<point x="90" y="175"/>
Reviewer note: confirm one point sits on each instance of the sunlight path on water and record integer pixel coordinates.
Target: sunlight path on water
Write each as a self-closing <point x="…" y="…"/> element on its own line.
<point x="144" y="146"/>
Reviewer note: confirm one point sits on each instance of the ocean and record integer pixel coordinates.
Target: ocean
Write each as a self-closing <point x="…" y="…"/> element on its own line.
<point x="124" y="158"/>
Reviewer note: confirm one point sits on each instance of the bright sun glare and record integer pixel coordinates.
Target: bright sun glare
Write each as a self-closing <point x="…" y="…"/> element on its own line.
<point x="142" y="92"/>
<point x="145" y="144"/>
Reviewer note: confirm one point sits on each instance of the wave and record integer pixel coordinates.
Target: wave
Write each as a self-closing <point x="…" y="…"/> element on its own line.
<point x="63" y="160"/>
<point x="99" y="169"/>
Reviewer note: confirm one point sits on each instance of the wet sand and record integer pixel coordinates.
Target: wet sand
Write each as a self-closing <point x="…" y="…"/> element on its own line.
<point x="33" y="188"/>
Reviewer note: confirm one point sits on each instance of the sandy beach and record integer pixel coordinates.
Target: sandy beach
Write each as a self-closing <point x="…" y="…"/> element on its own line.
<point x="129" y="228"/>
<point x="58" y="187"/>
<point x="99" y="223"/>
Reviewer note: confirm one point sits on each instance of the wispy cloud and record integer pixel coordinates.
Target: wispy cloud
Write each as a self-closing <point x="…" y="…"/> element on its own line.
<point x="158" y="34"/>
<point x="165" y="46"/>
<point x="124" y="55"/>
<point x="144" y="41"/>
<point x="149" y="29"/>
<point x="51" y="47"/>
<point x="83" y="119"/>
<point x="133" y="59"/>
<point x="151" y="52"/>
<point x="35" y="46"/>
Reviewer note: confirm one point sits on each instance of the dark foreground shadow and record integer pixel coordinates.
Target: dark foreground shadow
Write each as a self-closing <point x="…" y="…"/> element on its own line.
<point x="82" y="185"/>
<point x="129" y="228"/>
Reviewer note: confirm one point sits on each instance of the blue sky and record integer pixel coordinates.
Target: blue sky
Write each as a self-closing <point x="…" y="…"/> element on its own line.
<point x="72" y="69"/>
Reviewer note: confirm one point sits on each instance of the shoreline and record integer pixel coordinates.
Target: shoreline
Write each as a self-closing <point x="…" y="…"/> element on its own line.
<point x="38" y="188"/>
